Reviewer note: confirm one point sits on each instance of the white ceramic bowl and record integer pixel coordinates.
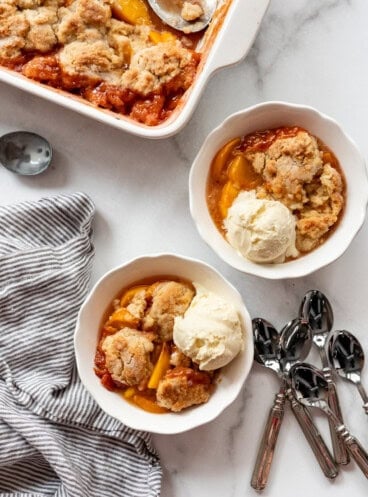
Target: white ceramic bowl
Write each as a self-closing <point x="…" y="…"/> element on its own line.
<point x="227" y="41"/>
<point x="91" y="313"/>
<point x="270" y="115"/>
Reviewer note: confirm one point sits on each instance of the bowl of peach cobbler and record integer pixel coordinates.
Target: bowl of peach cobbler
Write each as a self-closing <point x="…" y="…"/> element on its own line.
<point x="164" y="343"/>
<point x="278" y="190"/>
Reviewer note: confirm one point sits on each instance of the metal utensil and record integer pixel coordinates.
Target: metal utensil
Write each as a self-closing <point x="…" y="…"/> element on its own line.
<point x="317" y="310"/>
<point x="25" y="153"/>
<point x="268" y="354"/>
<point x="295" y="344"/>
<point x="346" y="357"/>
<point x="170" y="12"/>
<point x="311" y="389"/>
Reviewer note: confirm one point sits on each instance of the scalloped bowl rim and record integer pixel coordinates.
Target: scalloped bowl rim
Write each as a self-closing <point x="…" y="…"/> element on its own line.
<point x="232" y="377"/>
<point x="330" y="132"/>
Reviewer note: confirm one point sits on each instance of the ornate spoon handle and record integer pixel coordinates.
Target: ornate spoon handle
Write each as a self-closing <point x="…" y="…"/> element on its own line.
<point x="355" y="449"/>
<point x="267" y="447"/>
<point x="363" y="395"/>
<point x="313" y="437"/>
<point x="339" y="448"/>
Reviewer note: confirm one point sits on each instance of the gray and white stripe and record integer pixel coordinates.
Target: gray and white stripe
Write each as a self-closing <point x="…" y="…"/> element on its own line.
<point x="54" y="439"/>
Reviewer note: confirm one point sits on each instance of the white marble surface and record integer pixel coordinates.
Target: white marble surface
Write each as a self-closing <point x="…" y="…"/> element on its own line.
<point x="307" y="51"/>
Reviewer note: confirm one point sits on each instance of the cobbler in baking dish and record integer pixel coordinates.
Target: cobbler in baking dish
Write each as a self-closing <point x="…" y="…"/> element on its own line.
<point x="114" y="53"/>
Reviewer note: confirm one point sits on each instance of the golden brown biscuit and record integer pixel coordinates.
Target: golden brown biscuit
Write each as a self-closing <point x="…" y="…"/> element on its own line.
<point x="183" y="387"/>
<point x="127" y="355"/>
<point x="169" y="299"/>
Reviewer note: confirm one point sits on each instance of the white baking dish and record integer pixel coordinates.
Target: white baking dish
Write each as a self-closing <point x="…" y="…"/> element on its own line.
<point x="226" y="43"/>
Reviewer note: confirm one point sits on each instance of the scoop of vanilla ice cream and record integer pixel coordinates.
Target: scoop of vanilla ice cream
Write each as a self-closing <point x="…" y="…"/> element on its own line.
<point x="260" y="230"/>
<point x="210" y="332"/>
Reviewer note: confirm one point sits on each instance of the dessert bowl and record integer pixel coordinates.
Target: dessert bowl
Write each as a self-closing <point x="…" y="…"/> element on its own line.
<point x="231" y="377"/>
<point x="272" y="115"/>
<point x="225" y="42"/>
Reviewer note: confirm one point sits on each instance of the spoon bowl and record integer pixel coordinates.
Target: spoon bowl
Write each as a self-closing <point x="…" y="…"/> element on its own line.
<point x="266" y="344"/>
<point x="170" y="12"/>
<point x="295" y="342"/>
<point x="25" y="153"/>
<point x="309" y="386"/>
<point x="316" y="309"/>
<point x="346" y="356"/>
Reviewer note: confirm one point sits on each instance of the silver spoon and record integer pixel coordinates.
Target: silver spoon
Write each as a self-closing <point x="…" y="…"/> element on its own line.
<point x="316" y="309"/>
<point x="268" y="354"/>
<point x="295" y="344"/>
<point x="311" y="389"/>
<point x="170" y="12"/>
<point x="25" y="153"/>
<point x="346" y="356"/>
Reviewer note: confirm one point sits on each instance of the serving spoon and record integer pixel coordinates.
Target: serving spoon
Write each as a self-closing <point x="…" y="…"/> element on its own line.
<point x="346" y="356"/>
<point x="25" y="153"/>
<point x="311" y="389"/>
<point x="317" y="310"/>
<point x="170" y="12"/>
<point x="268" y="354"/>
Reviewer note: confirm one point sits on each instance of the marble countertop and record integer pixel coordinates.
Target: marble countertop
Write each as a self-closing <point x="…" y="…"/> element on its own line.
<point x="307" y="51"/>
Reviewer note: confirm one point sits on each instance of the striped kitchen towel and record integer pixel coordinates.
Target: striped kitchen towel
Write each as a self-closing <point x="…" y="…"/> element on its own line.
<point x="54" y="439"/>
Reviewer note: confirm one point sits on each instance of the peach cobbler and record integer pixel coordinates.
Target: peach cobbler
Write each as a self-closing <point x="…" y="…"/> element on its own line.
<point x="275" y="194"/>
<point x="163" y="342"/>
<point x="114" y="53"/>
